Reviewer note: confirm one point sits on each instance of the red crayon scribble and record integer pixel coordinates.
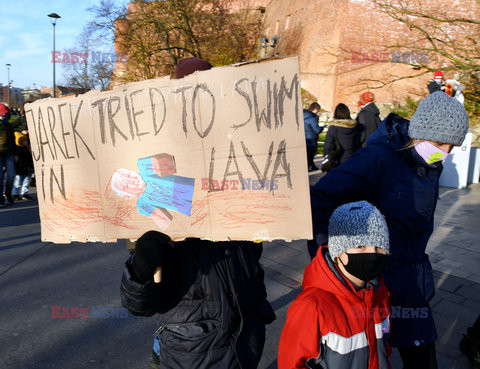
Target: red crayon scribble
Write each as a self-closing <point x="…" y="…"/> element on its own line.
<point x="84" y="207"/>
<point x="240" y="208"/>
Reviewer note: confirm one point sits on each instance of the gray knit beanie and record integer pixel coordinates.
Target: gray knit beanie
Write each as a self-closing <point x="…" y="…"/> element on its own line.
<point x="356" y="224"/>
<point x="439" y="118"/>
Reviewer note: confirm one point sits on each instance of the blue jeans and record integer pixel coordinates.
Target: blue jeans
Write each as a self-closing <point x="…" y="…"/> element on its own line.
<point x="21" y="183"/>
<point x="7" y="162"/>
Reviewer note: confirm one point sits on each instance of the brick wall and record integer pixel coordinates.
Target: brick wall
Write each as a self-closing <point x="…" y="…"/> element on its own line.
<point x="324" y="34"/>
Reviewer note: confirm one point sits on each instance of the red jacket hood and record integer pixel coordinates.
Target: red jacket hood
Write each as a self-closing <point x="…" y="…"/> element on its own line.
<point x="322" y="273"/>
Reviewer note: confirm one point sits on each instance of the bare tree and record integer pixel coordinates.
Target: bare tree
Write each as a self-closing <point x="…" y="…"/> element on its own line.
<point x="85" y="67"/>
<point x="156" y="35"/>
<point x="444" y="31"/>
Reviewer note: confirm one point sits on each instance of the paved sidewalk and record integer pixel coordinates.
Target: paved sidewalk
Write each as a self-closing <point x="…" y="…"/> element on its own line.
<point x="454" y="253"/>
<point x="36" y="276"/>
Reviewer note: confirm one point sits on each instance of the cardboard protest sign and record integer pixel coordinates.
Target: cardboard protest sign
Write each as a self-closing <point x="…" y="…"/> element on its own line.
<point x="219" y="155"/>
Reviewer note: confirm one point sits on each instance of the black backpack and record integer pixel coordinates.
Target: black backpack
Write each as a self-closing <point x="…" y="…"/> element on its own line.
<point x="332" y="160"/>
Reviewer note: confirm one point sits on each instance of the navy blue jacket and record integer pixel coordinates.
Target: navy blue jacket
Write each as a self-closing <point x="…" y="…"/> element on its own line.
<point x="405" y="190"/>
<point x="312" y="129"/>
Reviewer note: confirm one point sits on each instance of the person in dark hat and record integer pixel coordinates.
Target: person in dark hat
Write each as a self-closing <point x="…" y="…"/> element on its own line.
<point x="7" y="156"/>
<point x="210" y="299"/>
<point x="190" y="65"/>
<point x="398" y="172"/>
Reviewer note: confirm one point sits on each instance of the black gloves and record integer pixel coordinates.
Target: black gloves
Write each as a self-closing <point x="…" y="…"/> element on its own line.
<point x="152" y="250"/>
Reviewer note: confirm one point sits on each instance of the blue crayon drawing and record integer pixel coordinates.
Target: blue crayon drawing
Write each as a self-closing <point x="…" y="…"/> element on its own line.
<point x="156" y="187"/>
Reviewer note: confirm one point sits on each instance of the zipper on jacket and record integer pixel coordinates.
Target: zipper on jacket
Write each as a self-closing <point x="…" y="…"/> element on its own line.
<point x="159" y="331"/>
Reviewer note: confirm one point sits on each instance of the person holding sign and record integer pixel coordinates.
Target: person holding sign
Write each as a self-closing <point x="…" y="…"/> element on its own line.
<point x="398" y="172"/>
<point x="210" y="297"/>
<point x="341" y="318"/>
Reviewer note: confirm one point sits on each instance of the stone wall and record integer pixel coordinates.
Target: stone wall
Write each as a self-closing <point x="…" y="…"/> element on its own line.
<point x="325" y="33"/>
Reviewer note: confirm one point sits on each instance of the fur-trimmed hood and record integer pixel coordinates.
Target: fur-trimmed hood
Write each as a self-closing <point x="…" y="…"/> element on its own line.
<point x="347" y="123"/>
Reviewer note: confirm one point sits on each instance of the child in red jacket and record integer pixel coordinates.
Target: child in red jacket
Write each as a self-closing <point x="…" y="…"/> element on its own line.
<point x="341" y="318"/>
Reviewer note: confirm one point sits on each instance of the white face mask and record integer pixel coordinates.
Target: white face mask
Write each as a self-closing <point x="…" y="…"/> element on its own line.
<point x="429" y="152"/>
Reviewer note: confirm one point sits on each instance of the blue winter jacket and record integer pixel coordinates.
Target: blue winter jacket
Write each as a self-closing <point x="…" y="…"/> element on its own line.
<point x="405" y="190"/>
<point x="312" y="129"/>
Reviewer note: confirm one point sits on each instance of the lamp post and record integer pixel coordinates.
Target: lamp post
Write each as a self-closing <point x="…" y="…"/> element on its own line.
<point x="265" y="43"/>
<point x="8" y="65"/>
<point x="53" y="19"/>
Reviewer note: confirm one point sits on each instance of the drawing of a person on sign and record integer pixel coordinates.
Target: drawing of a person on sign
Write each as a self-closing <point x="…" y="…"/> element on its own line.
<point x="156" y="187"/>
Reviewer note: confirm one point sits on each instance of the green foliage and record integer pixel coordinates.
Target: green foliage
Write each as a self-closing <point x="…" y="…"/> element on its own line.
<point x="13" y="119"/>
<point x="472" y="98"/>
<point x="472" y="106"/>
<point x="156" y="35"/>
<point x="307" y="98"/>
<point x="473" y="110"/>
<point x="321" y="140"/>
<point x="406" y="109"/>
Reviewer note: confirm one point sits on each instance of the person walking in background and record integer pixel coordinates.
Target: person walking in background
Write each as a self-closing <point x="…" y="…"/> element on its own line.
<point x="398" y="172"/>
<point x="7" y="156"/>
<point x="312" y="130"/>
<point x="436" y="84"/>
<point x="210" y="297"/>
<point x="343" y="132"/>
<point x="369" y="117"/>
<point x="455" y="89"/>
<point x="23" y="168"/>
<point x="341" y="318"/>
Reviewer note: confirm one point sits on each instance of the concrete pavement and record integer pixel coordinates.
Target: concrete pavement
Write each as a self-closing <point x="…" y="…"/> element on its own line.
<point x="454" y="254"/>
<point x="36" y="279"/>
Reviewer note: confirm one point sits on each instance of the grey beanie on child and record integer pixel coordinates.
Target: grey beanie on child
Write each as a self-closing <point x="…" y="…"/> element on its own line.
<point x="439" y="118"/>
<point x="356" y="224"/>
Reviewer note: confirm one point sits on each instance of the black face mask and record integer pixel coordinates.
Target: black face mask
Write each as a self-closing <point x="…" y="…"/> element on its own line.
<point x="365" y="266"/>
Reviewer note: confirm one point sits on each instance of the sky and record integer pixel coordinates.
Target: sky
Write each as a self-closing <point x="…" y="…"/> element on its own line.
<point x="26" y="38"/>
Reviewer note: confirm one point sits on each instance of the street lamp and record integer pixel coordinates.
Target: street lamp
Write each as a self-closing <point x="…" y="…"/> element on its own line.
<point x="8" y="65"/>
<point x="265" y="43"/>
<point x="53" y="19"/>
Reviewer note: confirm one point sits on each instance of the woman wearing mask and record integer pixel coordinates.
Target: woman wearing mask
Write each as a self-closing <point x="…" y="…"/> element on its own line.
<point x="398" y="172"/>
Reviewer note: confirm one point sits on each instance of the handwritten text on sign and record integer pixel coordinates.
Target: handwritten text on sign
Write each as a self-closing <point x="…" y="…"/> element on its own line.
<point x="114" y="164"/>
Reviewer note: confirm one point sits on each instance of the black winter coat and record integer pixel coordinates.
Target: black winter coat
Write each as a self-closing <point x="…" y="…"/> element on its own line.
<point x="211" y="303"/>
<point x="368" y="120"/>
<point x="347" y="132"/>
<point x="7" y="139"/>
<point x="24" y="165"/>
